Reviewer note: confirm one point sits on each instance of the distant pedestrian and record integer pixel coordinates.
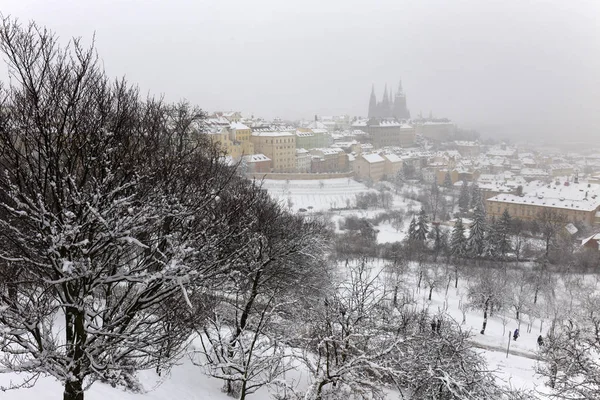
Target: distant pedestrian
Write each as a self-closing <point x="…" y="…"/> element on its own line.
<point x="433" y="325"/>
<point x="516" y="334"/>
<point x="540" y="341"/>
<point x="438" y="326"/>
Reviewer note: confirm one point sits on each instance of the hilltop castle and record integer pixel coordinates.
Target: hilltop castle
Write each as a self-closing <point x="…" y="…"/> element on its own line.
<point x="389" y="106"/>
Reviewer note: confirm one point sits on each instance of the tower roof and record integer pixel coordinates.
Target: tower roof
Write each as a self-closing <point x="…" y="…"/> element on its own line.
<point x="400" y="91"/>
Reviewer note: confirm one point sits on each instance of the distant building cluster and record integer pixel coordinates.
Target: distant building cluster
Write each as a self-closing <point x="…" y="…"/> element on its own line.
<point x="389" y="144"/>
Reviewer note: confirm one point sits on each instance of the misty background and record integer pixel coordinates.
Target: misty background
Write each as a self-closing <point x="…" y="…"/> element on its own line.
<point x="515" y="69"/>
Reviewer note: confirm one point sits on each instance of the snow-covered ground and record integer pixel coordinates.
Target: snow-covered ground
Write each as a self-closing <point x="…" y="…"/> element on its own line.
<point x="319" y="194"/>
<point x="187" y="382"/>
<point x="325" y="194"/>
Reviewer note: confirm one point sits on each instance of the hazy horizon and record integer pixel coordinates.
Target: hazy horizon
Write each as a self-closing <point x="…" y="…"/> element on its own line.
<point x="518" y="69"/>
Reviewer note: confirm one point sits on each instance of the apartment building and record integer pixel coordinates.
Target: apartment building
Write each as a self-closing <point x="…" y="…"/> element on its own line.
<point x="280" y="147"/>
<point x="577" y="202"/>
<point x="369" y="166"/>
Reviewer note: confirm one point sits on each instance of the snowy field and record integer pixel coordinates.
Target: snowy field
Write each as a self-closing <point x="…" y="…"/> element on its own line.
<point x="319" y="194"/>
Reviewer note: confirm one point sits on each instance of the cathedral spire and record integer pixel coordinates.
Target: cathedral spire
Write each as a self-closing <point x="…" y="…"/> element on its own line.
<point x="372" y="103"/>
<point x="399" y="106"/>
<point x="385" y="104"/>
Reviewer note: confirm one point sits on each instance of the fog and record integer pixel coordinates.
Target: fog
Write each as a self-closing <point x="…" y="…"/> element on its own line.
<point x="520" y="69"/>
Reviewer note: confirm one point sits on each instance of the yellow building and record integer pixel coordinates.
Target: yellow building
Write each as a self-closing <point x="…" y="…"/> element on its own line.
<point x="222" y="136"/>
<point x="280" y="147"/>
<point x="240" y="133"/>
<point x="369" y="166"/>
<point x="392" y="165"/>
<point x="577" y="202"/>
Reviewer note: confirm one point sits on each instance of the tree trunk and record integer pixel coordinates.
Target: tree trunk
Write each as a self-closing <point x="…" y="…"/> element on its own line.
<point x="73" y="390"/>
<point x="553" y="374"/>
<point x="456" y="278"/>
<point x="76" y="338"/>
<point x="535" y="296"/>
<point x="243" y="391"/>
<point x="420" y="279"/>
<point x="430" y="291"/>
<point x="485" y="315"/>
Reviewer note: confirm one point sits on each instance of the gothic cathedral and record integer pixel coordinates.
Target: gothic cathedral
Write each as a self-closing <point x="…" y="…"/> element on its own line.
<point x="389" y="107"/>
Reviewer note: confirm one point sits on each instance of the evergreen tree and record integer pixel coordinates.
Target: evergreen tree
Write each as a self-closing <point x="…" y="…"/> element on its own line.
<point x="464" y="198"/>
<point x="422" y="227"/>
<point x="503" y="243"/>
<point x="476" y="198"/>
<point x="435" y="199"/>
<point x="412" y="229"/>
<point x="458" y="241"/>
<point x="490" y="247"/>
<point x="448" y="180"/>
<point x="400" y="178"/>
<point x="408" y="171"/>
<point x="440" y="243"/>
<point x="476" y="241"/>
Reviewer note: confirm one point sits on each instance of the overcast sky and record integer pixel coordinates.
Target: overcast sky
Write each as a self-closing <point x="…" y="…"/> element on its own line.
<point x="513" y="67"/>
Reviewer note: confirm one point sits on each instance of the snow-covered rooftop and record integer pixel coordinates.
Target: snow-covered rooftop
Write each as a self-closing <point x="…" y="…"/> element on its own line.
<point x="392" y="158"/>
<point x="271" y="133"/>
<point x="256" y="158"/>
<point x="373" y="158"/>
<point x="238" y="126"/>
<point x="567" y="195"/>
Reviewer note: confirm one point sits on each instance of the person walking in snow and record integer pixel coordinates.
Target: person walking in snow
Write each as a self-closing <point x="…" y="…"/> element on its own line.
<point x="516" y="334"/>
<point x="438" y="326"/>
<point x="540" y="341"/>
<point x="433" y="325"/>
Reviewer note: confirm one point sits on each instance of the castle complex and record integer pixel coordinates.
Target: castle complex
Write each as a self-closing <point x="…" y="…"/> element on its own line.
<point x="390" y="106"/>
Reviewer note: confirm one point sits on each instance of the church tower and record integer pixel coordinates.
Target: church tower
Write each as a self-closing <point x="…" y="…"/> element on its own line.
<point x="386" y="107"/>
<point x="400" y="111"/>
<point x="373" y="104"/>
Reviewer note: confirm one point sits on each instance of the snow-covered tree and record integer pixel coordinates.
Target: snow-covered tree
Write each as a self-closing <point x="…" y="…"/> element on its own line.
<point x="345" y="350"/>
<point x="435" y="198"/>
<point x="412" y="229"/>
<point x="448" y="180"/>
<point x="434" y="278"/>
<point x="440" y="240"/>
<point x="422" y="226"/>
<point x="490" y="241"/>
<point x="569" y="356"/>
<point x="110" y="208"/>
<point x="487" y="293"/>
<point x="458" y="241"/>
<point x="476" y="199"/>
<point x="551" y="222"/>
<point x="357" y="347"/>
<point x="464" y="197"/>
<point x="477" y="231"/>
<point x="273" y="275"/>
<point x="520" y="295"/>
<point x="502" y="234"/>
